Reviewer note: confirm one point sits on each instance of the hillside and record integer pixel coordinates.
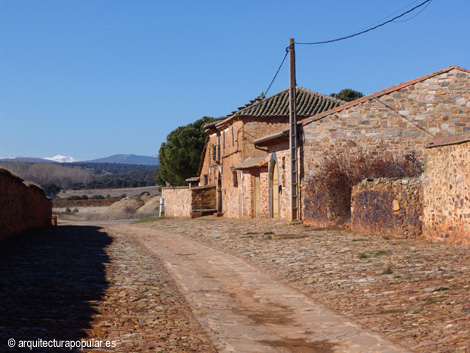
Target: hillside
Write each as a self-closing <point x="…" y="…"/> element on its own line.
<point x="80" y="175"/>
<point x="127" y="159"/>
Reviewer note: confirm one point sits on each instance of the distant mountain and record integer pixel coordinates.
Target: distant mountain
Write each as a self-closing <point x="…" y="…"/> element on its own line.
<point x="62" y="159"/>
<point x="127" y="159"/>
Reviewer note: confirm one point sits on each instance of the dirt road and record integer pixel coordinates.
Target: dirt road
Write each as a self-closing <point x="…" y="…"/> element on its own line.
<point x="243" y="309"/>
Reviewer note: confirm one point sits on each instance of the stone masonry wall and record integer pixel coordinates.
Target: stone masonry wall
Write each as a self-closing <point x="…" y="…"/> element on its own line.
<point x="177" y="201"/>
<point x="389" y="207"/>
<point x="23" y="206"/>
<point x="446" y="191"/>
<point x="394" y="123"/>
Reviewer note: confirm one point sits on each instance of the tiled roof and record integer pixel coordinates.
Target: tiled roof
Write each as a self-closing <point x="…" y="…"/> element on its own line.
<point x="308" y="103"/>
<point x="253" y="162"/>
<point x="272" y="139"/>
<point x="449" y="140"/>
<point x="361" y="100"/>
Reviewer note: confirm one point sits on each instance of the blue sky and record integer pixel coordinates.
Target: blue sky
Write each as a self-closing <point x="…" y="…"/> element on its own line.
<point x="92" y="78"/>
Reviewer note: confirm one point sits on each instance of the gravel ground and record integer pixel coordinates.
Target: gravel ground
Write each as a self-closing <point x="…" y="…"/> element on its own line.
<point x="414" y="292"/>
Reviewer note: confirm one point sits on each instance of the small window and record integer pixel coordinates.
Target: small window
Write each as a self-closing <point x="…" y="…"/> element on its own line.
<point x="218" y="146"/>
<point x="235" y="179"/>
<point x="206" y="179"/>
<point x="214" y="152"/>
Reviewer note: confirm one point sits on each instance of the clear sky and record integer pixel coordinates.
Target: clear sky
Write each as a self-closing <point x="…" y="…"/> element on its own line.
<point x="92" y="78"/>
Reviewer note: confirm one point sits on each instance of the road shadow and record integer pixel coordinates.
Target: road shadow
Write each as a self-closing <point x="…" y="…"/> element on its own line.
<point x="49" y="281"/>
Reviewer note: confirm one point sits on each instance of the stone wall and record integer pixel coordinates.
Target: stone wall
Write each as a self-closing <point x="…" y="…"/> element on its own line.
<point x="389" y="207"/>
<point x="23" y="205"/>
<point x="204" y="198"/>
<point x="177" y="201"/>
<point x="446" y="191"/>
<point x="315" y="204"/>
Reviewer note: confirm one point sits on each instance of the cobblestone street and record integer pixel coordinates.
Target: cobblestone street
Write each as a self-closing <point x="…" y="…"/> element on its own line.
<point x="87" y="282"/>
<point x="72" y="283"/>
<point x="414" y="292"/>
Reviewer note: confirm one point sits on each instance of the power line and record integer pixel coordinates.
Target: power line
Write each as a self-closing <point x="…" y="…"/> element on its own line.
<point x="426" y="2"/>
<point x="277" y="72"/>
<point x="409" y="19"/>
<point x="367" y="30"/>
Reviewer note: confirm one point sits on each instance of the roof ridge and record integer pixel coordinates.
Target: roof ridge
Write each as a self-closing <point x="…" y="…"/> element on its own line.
<point x="380" y="93"/>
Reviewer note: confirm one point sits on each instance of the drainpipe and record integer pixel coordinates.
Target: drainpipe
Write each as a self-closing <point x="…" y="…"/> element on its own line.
<point x="241" y="185"/>
<point x="162" y="210"/>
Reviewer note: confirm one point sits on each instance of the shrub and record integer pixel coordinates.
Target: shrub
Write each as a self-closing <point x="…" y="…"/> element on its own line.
<point x="340" y="171"/>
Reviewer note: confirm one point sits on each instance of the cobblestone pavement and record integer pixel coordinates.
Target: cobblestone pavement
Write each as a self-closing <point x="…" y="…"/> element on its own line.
<point x="80" y="283"/>
<point x="413" y="292"/>
<point x="245" y="311"/>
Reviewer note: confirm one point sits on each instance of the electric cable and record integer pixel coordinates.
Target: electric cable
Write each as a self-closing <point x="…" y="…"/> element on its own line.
<point x="277" y="72"/>
<point x="367" y="30"/>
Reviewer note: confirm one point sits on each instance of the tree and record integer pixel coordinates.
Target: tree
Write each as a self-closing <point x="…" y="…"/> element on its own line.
<point x="180" y="155"/>
<point x="347" y="95"/>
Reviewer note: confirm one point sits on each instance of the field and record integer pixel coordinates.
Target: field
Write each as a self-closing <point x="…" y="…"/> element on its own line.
<point x="124" y="207"/>
<point x="152" y="190"/>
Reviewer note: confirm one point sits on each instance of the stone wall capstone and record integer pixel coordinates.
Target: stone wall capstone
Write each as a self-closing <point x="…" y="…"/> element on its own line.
<point x="388" y="207"/>
<point x="23" y="205"/>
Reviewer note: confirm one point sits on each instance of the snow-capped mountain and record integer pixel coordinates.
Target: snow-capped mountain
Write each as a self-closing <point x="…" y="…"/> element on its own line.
<point x="61" y="159"/>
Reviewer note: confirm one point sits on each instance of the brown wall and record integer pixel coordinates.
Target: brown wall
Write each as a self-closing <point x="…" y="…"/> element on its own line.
<point x="23" y="206"/>
<point x="446" y="192"/>
<point x="389" y="207"/>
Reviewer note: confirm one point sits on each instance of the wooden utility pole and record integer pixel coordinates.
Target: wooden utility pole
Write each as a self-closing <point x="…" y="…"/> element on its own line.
<point x="294" y="175"/>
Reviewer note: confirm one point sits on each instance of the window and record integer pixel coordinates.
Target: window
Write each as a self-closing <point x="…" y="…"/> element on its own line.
<point x="218" y="146"/>
<point x="214" y="152"/>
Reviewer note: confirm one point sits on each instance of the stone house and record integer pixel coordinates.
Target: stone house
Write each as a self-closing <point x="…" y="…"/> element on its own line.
<point x="396" y="120"/>
<point x="238" y="168"/>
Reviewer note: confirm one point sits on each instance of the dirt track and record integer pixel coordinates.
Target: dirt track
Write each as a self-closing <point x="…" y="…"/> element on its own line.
<point x="246" y="311"/>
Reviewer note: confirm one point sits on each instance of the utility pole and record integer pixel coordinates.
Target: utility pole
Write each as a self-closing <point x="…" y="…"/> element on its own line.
<point x="294" y="175"/>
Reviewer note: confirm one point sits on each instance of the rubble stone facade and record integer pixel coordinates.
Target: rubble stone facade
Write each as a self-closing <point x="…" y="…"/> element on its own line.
<point x="389" y="207"/>
<point x="446" y="191"/>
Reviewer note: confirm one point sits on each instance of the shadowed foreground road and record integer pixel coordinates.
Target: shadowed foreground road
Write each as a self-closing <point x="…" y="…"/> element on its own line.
<point x="76" y="283"/>
<point x="48" y="281"/>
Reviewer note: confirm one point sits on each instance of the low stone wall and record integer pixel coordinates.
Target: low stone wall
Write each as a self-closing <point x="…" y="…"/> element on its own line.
<point x="204" y="198"/>
<point x="446" y="190"/>
<point x="321" y="208"/>
<point x="23" y="206"/>
<point x="177" y="201"/>
<point x="389" y="207"/>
